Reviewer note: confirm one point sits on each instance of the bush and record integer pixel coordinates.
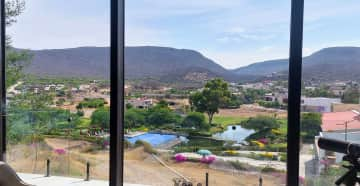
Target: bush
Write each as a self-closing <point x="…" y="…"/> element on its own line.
<point x="241" y="166"/>
<point x="261" y="123"/>
<point x="310" y="126"/>
<point x="281" y="147"/>
<point x="127" y="144"/>
<point x="91" y="103"/>
<point x="269" y="169"/>
<point x="269" y="104"/>
<point x="80" y="113"/>
<point x="147" y="146"/>
<point x="283" y="157"/>
<point x="101" y="117"/>
<point x="195" y="120"/>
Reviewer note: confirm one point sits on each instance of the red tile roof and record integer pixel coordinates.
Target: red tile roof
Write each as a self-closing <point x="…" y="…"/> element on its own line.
<point x="334" y="121"/>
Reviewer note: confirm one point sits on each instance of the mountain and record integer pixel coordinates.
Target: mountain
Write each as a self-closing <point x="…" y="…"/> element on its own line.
<point x="263" y="68"/>
<point x="181" y="65"/>
<point x="328" y="64"/>
<point x="162" y="63"/>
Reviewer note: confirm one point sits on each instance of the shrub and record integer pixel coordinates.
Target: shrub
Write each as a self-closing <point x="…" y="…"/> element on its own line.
<point x="269" y="169"/>
<point x="240" y="166"/>
<point x="208" y="160"/>
<point x="196" y="120"/>
<point x="91" y="103"/>
<point x="147" y="146"/>
<point x="180" y="158"/>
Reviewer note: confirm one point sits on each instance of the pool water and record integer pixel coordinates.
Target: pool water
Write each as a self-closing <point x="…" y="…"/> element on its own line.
<point x="234" y="133"/>
<point x="152" y="138"/>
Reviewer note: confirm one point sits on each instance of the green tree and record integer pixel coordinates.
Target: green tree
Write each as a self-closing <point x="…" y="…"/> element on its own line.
<point x="161" y="116"/>
<point x="214" y="95"/>
<point x="101" y="117"/>
<point x="310" y="125"/>
<point x="162" y="104"/>
<point x="260" y="123"/>
<point x="133" y="118"/>
<point x="352" y="95"/>
<point x="196" y="120"/>
<point x="233" y="102"/>
<point x="15" y="60"/>
<point x="251" y="95"/>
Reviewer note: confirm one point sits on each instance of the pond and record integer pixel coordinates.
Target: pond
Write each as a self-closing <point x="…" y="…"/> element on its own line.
<point x="234" y="133"/>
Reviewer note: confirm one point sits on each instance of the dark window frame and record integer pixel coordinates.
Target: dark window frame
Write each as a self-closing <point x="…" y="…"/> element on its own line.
<point x="117" y="46"/>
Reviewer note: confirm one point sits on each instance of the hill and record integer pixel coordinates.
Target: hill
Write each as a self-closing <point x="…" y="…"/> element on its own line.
<point x="161" y="63"/>
<point x="328" y="64"/>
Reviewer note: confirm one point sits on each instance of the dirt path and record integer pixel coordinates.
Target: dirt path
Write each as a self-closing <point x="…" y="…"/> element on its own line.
<point x="251" y="111"/>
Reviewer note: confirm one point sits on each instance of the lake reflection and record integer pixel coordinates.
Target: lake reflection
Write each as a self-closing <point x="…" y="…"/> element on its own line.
<point x="234" y="133"/>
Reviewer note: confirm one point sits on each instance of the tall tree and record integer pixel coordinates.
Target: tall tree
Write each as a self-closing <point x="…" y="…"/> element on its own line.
<point x="133" y="118"/>
<point x="15" y="60"/>
<point x="214" y="95"/>
<point x="352" y="95"/>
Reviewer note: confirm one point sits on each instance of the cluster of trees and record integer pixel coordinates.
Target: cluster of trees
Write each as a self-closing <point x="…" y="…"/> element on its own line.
<point x="310" y="126"/>
<point x="250" y="96"/>
<point x="352" y="95"/>
<point x="161" y="116"/>
<point x="264" y="127"/>
<point x="260" y="123"/>
<point x="270" y="104"/>
<point x="322" y="91"/>
<point x="91" y="103"/>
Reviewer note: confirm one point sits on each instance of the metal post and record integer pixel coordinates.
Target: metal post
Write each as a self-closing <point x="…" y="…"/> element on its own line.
<point x="47" y="174"/>
<point x="207" y="179"/>
<point x="260" y="181"/>
<point x="2" y="83"/>
<point x="87" y="178"/>
<point x="295" y="69"/>
<point x="117" y="92"/>
<point x="346" y="130"/>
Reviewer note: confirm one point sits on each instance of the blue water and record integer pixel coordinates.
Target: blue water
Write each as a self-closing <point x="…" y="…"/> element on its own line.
<point x="234" y="133"/>
<point x="153" y="139"/>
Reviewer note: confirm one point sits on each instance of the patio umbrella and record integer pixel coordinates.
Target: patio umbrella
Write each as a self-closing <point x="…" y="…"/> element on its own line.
<point x="204" y="152"/>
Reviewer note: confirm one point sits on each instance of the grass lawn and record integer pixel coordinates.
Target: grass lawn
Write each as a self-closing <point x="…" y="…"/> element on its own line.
<point x="223" y="121"/>
<point x="283" y="126"/>
<point x="227" y="120"/>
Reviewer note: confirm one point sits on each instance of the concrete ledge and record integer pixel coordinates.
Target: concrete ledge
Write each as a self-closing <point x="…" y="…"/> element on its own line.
<point x="40" y="180"/>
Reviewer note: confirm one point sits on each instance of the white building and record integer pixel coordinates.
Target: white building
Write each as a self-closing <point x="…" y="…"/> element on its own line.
<point x="319" y="104"/>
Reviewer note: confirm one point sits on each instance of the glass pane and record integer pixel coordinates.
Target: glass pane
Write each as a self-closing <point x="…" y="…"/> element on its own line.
<point x="195" y="101"/>
<point x="58" y="90"/>
<point x="330" y="92"/>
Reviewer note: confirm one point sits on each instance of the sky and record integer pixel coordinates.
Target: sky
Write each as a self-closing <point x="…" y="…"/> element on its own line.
<point x="233" y="33"/>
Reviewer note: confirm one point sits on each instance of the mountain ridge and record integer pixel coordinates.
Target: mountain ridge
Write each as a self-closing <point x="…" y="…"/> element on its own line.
<point x="184" y="65"/>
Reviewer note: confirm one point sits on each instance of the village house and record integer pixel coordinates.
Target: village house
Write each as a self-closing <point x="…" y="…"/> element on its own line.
<point x="319" y="104"/>
<point x="340" y="126"/>
<point x="282" y="98"/>
<point x="141" y="103"/>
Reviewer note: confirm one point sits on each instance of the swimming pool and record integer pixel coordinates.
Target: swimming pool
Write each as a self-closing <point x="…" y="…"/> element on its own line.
<point x="152" y="138"/>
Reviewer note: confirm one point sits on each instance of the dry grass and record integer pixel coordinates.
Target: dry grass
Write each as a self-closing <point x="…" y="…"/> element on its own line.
<point x="140" y="167"/>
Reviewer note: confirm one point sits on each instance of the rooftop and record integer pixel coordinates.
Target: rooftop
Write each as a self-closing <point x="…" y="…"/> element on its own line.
<point x="335" y="121"/>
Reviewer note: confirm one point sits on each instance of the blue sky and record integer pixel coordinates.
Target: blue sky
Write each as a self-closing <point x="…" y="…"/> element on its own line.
<point x="233" y="33"/>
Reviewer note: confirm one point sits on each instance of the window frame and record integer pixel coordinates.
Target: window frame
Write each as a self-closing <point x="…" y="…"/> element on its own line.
<point x="117" y="47"/>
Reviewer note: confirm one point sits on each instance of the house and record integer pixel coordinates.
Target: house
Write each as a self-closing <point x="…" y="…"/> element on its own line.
<point x="319" y="104"/>
<point x="142" y="103"/>
<point x="282" y="98"/>
<point x="338" y="88"/>
<point x="333" y="126"/>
